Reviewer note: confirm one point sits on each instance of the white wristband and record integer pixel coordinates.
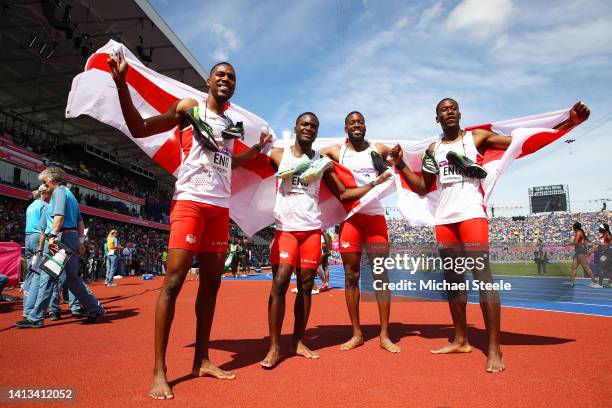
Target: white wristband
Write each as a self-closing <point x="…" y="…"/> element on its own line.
<point x="81" y="240"/>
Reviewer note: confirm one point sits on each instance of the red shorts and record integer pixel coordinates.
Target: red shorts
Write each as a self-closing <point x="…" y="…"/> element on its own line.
<point x="198" y="227"/>
<point x="292" y="246"/>
<point x="360" y="228"/>
<point x="470" y="234"/>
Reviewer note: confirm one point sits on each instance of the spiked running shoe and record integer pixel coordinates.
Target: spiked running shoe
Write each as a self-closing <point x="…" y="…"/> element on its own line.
<point x="202" y="131"/>
<point x="316" y="167"/>
<point x="380" y="165"/>
<point x="234" y="131"/>
<point x="467" y="166"/>
<point x="429" y="163"/>
<point x="295" y="167"/>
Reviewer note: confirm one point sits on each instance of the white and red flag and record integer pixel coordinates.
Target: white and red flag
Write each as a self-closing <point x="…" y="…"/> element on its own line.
<point x="529" y="134"/>
<point x="94" y="93"/>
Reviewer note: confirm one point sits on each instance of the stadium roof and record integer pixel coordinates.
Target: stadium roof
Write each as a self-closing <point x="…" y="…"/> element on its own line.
<point x="43" y="45"/>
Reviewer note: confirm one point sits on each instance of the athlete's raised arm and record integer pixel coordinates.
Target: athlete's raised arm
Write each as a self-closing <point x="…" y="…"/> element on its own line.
<point x="485" y="139"/>
<point x="242" y="157"/>
<point x="343" y="194"/>
<point x="138" y="126"/>
<point x="420" y="184"/>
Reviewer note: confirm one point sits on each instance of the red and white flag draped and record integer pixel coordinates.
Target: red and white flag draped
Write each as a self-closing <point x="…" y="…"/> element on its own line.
<point x="529" y="134"/>
<point x="94" y="93"/>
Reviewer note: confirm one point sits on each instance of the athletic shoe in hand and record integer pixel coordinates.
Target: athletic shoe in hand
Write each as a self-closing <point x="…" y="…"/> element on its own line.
<point x="467" y="166"/>
<point x="380" y="165"/>
<point x="316" y="167"/>
<point x="202" y="131"/>
<point x="294" y="167"/>
<point x="429" y="163"/>
<point x="235" y="131"/>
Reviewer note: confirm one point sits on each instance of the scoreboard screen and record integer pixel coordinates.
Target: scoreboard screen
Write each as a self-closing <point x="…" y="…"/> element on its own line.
<point x="548" y="198"/>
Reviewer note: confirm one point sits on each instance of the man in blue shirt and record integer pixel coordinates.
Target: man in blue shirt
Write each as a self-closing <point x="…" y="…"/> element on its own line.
<point x="65" y="225"/>
<point x="34" y="213"/>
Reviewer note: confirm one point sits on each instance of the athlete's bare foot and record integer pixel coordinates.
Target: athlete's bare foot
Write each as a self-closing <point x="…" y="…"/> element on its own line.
<point x="209" y="369"/>
<point x="271" y="358"/>
<point x="160" y="389"/>
<point x="301" y="350"/>
<point x="453" y="348"/>
<point x="355" y="341"/>
<point x="387" y="344"/>
<point x="495" y="363"/>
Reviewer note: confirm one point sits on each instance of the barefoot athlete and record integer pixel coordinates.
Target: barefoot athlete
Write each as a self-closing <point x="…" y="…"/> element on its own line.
<point x="297" y="241"/>
<point x="460" y="219"/>
<point x="367" y="226"/>
<point x="199" y="216"/>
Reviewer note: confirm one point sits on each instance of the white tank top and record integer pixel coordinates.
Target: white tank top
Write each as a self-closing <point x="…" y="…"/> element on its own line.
<point x="461" y="197"/>
<point x="205" y="176"/>
<point x="297" y="204"/>
<point x="360" y="164"/>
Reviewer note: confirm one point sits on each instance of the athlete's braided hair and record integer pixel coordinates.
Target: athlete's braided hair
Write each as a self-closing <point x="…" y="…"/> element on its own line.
<point x="578" y="227"/>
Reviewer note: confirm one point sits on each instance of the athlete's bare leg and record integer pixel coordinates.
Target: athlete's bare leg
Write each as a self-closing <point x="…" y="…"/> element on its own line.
<point x="211" y="268"/>
<point x="383" y="299"/>
<point x="490" y="306"/>
<point x="602" y="271"/>
<point x="179" y="262"/>
<point x="457" y="302"/>
<point x="585" y="266"/>
<point x="276" y="311"/>
<point x="305" y="281"/>
<point x="351" y="262"/>
<point x="574" y="270"/>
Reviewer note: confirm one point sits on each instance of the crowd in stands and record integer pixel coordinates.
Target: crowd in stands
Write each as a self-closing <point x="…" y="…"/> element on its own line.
<point x="12" y="220"/>
<point x="512" y="239"/>
<point x="552" y="228"/>
<point x="76" y="161"/>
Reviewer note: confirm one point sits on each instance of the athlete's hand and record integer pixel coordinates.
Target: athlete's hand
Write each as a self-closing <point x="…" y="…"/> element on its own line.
<point x="396" y="155"/>
<point x="264" y="139"/>
<point x="118" y="69"/>
<point x="579" y="113"/>
<point x="381" y="179"/>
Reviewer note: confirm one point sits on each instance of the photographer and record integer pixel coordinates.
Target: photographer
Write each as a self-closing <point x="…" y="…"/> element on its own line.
<point x="65" y="226"/>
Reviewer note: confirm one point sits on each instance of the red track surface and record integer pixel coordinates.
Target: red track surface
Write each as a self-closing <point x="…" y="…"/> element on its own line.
<point x="552" y="359"/>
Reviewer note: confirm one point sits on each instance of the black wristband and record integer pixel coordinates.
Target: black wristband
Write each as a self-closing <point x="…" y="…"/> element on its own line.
<point x="401" y="165"/>
<point x="257" y="146"/>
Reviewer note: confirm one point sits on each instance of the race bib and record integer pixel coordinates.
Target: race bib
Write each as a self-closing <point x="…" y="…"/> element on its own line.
<point x="222" y="163"/>
<point x="366" y="175"/>
<point x="450" y="173"/>
<point x="298" y="186"/>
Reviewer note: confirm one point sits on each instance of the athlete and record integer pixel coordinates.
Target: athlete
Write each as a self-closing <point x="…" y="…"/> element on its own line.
<point x="199" y="219"/>
<point x="460" y="221"/>
<point x="368" y="227"/>
<point x="581" y="252"/>
<point x="323" y="269"/>
<point x="297" y="241"/>
<point x="603" y="253"/>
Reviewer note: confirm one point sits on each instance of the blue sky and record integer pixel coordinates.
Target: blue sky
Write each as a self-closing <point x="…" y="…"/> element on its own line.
<point x="393" y="60"/>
